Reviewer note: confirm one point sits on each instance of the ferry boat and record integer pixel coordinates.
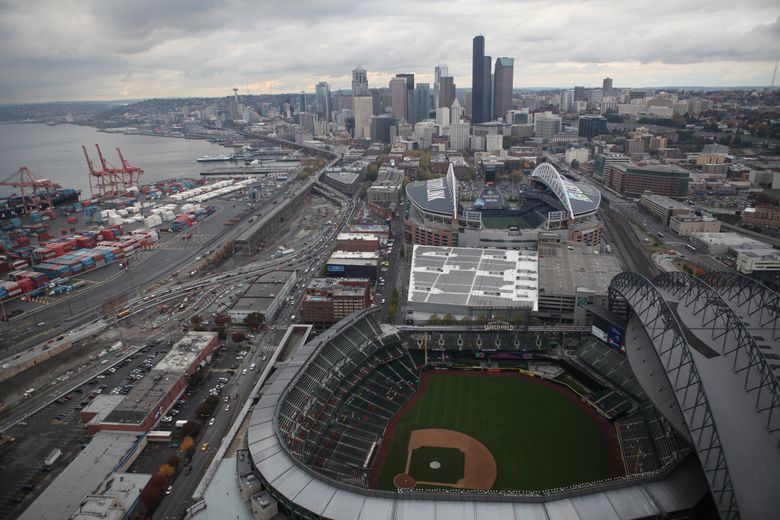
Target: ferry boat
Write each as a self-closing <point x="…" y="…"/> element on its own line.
<point x="215" y="158"/>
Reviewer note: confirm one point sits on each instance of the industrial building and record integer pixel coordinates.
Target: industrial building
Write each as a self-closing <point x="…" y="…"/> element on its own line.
<point x="264" y="296"/>
<point x="463" y="281"/>
<point x="357" y="242"/>
<point x="724" y="243"/>
<point x="349" y="264"/>
<point x="570" y="277"/>
<point x="370" y="229"/>
<point x="153" y="395"/>
<point x="93" y="485"/>
<point x="328" y="300"/>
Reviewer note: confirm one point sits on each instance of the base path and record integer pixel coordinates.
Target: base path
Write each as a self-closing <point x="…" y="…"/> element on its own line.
<point x="479" y="466"/>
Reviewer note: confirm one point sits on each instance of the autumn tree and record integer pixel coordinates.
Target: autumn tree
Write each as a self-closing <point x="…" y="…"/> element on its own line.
<point x="166" y="470"/>
<point x="187" y="443"/>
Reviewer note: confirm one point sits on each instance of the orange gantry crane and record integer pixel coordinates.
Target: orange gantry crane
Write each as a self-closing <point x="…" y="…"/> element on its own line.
<point x="110" y="181"/>
<point x="39" y="191"/>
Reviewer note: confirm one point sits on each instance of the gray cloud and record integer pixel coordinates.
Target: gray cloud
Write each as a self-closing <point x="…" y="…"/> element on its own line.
<point x="89" y="49"/>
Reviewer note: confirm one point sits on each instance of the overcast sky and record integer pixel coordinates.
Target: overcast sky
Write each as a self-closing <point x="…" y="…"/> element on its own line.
<point x="55" y="50"/>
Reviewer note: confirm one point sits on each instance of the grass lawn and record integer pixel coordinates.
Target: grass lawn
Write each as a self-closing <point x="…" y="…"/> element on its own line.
<point x="539" y="438"/>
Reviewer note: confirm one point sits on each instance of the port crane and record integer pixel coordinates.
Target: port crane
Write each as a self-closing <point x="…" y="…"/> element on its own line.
<point x="111" y="180"/>
<point x="40" y="189"/>
<point x="131" y="175"/>
<point x="102" y="183"/>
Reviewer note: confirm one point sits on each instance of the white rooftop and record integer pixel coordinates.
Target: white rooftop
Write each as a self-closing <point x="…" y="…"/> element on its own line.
<point x="185" y="351"/>
<point x="731" y="239"/>
<point x="472" y="277"/>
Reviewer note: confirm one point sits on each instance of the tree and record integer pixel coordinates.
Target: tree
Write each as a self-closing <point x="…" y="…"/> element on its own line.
<point x="196" y="320"/>
<point x="166" y="470"/>
<point x="434" y="319"/>
<point x="173" y="460"/>
<point x="575" y="164"/>
<point x="237" y="337"/>
<point x="254" y="320"/>
<point x="208" y="406"/>
<point x="187" y="443"/>
<point x="191" y="429"/>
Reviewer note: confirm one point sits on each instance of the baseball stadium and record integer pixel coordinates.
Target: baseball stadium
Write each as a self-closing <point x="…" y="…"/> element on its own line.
<point x="376" y="421"/>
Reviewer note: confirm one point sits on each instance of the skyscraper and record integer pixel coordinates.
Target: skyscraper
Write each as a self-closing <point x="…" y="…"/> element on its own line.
<point x="438" y="72"/>
<point x="487" y="88"/>
<point x="364" y="110"/>
<point x="590" y="126"/>
<point x="478" y="79"/>
<point x="302" y="102"/>
<point x="606" y="85"/>
<point x="323" y="100"/>
<point x="359" y="82"/>
<point x="411" y="114"/>
<point x="446" y="91"/>
<point x="422" y="101"/>
<point x="398" y="95"/>
<point x="502" y="87"/>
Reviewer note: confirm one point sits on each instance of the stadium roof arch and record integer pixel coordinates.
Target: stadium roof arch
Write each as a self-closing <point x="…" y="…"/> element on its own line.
<point x="577" y="200"/>
<point x="712" y="359"/>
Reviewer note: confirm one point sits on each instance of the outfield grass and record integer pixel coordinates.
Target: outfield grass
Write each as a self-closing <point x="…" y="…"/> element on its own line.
<point x="539" y="438"/>
<point x="451" y="460"/>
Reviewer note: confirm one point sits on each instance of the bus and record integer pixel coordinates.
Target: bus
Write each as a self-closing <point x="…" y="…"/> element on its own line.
<point x="689" y="246"/>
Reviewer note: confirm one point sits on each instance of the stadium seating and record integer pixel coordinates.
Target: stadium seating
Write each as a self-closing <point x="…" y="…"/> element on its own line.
<point x="343" y="399"/>
<point x="612" y="365"/>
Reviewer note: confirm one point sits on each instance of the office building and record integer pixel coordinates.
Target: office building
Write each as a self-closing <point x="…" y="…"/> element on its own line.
<point x="381" y="128"/>
<point x="363" y="112"/>
<point x="459" y="135"/>
<point x="576" y="153"/>
<point x="411" y="106"/>
<point x="446" y="92"/>
<point x="438" y="72"/>
<point x="547" y="125"/>
<point x="502" y="87"/>
<point x="591" y="126"/>
<point x="494" y="142"/>
<point x="387" y="187"/>
<point x="376" y="97"/>
<point x="633" y="181"/>
<point x="580" y="94"/>
<point x="480" y="82"/>
<point x="443" y="117"/>
<point x="753" y="260"/>
<point x="398" y="95"/>
<point x="328" y="300"/>
<point x="302" y="102"/>
<point x="456" y="112"/>
<point x="606" y="86"/>
<point x="725" y="243"/>
<point x="422" y="101"/>
<point x="663" y="208"/>
<point x="349" y="264"/>
<point x="323" y="100"/>
<point x="357" y="242"/>
<point x="602" y="160"/>
<point x="360" y="82"/>
<point x="688" y="224"/>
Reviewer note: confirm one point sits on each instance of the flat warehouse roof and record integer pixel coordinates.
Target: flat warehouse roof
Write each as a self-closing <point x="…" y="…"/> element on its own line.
<point x="472" y="277"/>
<point x="562" y="271"/>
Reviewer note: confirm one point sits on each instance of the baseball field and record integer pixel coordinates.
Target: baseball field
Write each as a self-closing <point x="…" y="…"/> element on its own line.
<point x="495" y="431"/>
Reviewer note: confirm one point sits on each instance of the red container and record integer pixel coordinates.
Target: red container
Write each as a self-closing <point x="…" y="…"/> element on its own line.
<point x="72" y="220"/>
<point x="23" y="241"/>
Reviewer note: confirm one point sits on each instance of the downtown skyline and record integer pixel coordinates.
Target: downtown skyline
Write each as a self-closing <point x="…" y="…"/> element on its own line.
<point x="111" y="50"/>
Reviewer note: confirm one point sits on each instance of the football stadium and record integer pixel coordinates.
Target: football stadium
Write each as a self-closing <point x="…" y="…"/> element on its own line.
<point x="551" y="208"/>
